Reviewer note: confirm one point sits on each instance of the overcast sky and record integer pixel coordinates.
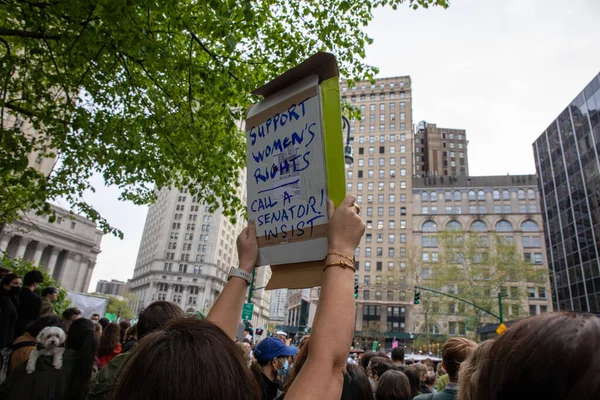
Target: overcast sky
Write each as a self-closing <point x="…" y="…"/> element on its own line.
<point x="501" y="69"/>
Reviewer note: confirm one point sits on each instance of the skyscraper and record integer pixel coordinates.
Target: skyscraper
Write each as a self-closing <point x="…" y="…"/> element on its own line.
<point x="186" y="253"/>
<point x="568" y="167"/>
<point x="440" y="151"/>
<point x="279" y="302"/>
<point x="380" y="177"/>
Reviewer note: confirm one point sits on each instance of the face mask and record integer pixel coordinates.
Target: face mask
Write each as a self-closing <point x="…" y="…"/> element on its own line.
<point x="14" y="290"/>
<point x="285" y="368"/>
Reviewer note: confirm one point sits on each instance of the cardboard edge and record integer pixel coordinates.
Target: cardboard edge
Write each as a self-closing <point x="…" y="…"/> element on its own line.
<point x="289" y="276"/>
<point x="322" y="63"/>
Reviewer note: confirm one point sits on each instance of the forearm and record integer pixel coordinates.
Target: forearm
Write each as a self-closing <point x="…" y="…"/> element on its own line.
<point x="227" y="310"/>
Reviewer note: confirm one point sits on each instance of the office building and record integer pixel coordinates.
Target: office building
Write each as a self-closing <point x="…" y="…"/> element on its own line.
<point x="279" y="302"/>
<point x="502" y="206"/>
<point x="568" y="167"/>
<point x="381" y="179"/>
<point x="186" y="253"/>
<point x="440" y="151"/>
<point x="112" y="287"/>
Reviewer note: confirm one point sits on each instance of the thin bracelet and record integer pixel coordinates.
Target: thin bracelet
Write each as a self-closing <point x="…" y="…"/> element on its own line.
<point x="342" y="264"/>
<point x="335" y="253"/>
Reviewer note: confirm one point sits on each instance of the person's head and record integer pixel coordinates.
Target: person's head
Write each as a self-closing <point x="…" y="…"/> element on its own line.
<point x="50" y="293"/>
<point x="33" y="279"/>
<point x="552" y="356"/>
<point x="95" y="317"/>
<point x="109" y="340"/>
<point x="366" y="358"/>
<point x="271" y="354"/>
<point x="440" y="370"/>
<point x="71" y="314"/>
<point x="44" y="321"/>
<point x="171" y="361"/>
<point x="468" y="376"/>
<point x="12" y="283"/>
<point x="429" y="364"/>
<point x="356" y="384"/>
<point x="414" y="380"/>
<point x="156" y="316"/>
<point x="430" y="381"/>
<point x="123" y="325"/>
<point x="422" y="369"/>
<point x="82" y="339"/>
<point x="298" y="363"/>
<point x="393" y="385"/>
<point x="454" y="352"/>
<point x="398" y="355"/>
<point x="103" y="322"/>
<point x="378" y="366"/>
<point x="132" y="333"/>
<point x="98" y="330"/>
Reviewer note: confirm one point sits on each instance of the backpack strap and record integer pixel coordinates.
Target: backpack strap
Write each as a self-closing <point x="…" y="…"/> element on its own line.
<point x="22" y="344"/>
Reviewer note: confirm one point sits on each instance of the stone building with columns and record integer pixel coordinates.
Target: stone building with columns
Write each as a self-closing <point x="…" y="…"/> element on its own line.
<point x="66" y="248"/>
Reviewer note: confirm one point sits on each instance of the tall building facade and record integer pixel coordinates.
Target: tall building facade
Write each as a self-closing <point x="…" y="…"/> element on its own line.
<point x="568" y="166"/>
<point x="440" y="151"/>
<point x="186" y="253"/>
<point x="380" y="177"/>
<point x="279" y="303"/>
<point x="503" y="206"/>
<point x="112" y="287"/>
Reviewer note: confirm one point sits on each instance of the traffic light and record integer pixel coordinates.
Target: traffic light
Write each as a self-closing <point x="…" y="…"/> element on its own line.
<point x="355" y="290"/>
<point x="417" y="297"/>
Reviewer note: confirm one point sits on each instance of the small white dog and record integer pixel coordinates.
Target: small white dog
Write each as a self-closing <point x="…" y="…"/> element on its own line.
<point x="49" y="341"/>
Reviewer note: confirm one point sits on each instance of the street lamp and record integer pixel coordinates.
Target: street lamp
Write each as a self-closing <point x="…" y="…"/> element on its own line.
<point x="348" y="151"/>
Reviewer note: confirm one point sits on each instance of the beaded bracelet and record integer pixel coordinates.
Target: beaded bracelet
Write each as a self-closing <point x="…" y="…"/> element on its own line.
<point x="342" y="264"/>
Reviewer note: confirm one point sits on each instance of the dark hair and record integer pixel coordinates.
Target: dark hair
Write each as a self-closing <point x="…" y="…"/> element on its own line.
<point x="366" y="358"/>
<point x="156" y="316"/>
<point x="8" y="278"/>
<point x="103" y="322"/>
<point x="398" y="354"/>
<point x="96" y="315"/>
<point x="35" y="327"/>
<point x="379" y="365"/>
<point x="393" y="385"/>
<point x="551" y="355"/>
<point x="69" y="312"/>
<point x="298" y="362"/>
<point x="356" y="384"/>
<point x="32" y="277"/>
<point x="131" y="332"/>
<point x="169" y="363"/>
<point x="414" y="380"/>
<point x="454" y="352"/>
<point x="48" y="290"/>
<point x="82" y="339"/>
<point x="123" y="325"/>
<point x="109" y="340"/>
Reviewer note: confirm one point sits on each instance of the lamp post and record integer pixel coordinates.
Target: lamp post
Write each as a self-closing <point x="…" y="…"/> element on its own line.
<point x="348" y="151"/>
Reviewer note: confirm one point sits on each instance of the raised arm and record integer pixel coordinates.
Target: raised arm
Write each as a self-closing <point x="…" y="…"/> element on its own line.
<point x="322" y="376"/>
<point x="227" y="310"/>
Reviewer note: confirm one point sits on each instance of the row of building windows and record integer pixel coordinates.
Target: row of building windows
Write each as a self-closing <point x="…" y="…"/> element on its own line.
<point x="183" y="268"/>
<point x="498" y="209"/>
<point x="481" y="226"/>
<point x="382" y="127"/>
<point x="382" y="138"/>
<point x="480" y="195"/>
<point x="374" y="86"/>
<point x="379" y="264"/>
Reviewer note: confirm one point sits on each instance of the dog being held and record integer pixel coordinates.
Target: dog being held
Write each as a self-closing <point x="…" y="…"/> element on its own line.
<point x="49" y="340"/>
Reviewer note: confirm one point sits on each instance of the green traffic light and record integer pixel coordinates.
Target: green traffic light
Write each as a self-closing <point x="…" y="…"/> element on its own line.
<point x="417" y="299"/>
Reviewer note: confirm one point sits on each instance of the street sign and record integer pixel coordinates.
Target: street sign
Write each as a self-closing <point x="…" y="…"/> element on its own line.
<point x="501" y="328"/>
<point x="375" y="345"/>
<point x="247" y="311"/>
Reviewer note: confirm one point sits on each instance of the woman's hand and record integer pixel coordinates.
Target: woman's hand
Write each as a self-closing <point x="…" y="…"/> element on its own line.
<point x="247" y="247"/>
<point x="345" y="226"/>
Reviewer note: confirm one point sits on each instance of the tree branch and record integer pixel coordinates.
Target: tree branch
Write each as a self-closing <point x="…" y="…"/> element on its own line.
<point x="27" y="34"/>
<point x="213" y="56"/>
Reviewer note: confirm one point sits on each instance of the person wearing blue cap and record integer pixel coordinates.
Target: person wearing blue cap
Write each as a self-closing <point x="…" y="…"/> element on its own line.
<point x="271" y="355"/>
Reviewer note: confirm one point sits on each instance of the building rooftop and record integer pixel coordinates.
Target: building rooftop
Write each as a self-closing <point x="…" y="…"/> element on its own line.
<point x="474" y="181"/>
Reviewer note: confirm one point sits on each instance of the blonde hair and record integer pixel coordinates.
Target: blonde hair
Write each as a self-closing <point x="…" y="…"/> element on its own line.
<point x="454" y="352"/>
<point x="469" y="371"/>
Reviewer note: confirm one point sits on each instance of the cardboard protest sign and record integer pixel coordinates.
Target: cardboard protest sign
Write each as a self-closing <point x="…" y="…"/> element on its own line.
<point x="295" y="162"/>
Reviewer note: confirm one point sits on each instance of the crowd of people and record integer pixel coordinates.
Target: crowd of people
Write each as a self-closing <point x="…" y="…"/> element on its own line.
<point x="166" y="355"/>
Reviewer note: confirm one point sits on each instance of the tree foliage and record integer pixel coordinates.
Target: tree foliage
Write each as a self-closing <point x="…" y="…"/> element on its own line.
<point x="146" y="92"/>
<point x="476" y="267"/>
<point x="21" y="267"/>
<point x="119" y="307"/>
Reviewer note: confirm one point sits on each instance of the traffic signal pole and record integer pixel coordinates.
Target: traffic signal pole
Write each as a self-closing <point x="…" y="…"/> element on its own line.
<point x="500" y="295"/>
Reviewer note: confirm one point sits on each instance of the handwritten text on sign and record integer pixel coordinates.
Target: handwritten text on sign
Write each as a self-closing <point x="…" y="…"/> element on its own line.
<point x="287" y="194"/>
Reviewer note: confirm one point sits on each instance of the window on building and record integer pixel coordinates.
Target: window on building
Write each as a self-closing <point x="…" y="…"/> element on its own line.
<point x="478" y="226"/>
<point x="429" y="226"/>
<point x="503" y="226"/>
<point x="529" y="226"/>
<point x="472" y="195"/>
<point x="521" y="194"/>
<point x="496" y="195"/>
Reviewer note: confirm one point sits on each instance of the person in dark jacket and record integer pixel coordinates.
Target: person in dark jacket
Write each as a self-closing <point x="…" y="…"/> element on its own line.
<point x="49" y="297"/>
<point x="9" y="301"/>
<point x="71" y="382"/>
<point x="130" y="339"/>
<point x="30" y="303"/>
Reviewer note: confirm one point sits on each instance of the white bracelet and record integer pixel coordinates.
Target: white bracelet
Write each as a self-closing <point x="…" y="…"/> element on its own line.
<point x="240" y="273"/>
